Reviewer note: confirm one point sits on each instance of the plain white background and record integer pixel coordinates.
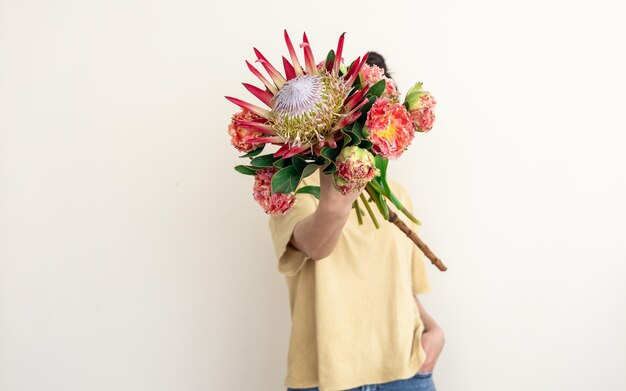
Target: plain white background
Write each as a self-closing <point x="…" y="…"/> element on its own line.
<point x="133" y="257"/>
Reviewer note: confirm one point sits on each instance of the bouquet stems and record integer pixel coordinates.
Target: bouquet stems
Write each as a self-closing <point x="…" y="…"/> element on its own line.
<point x="357" y="209"/>
<point x="369" y="211"/>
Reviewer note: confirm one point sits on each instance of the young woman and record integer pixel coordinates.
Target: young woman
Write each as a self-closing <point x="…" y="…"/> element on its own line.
<point x="357" y="323"/>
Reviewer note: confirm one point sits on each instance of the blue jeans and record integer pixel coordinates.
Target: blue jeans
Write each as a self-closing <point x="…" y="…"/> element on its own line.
<point x="419" y="382"/>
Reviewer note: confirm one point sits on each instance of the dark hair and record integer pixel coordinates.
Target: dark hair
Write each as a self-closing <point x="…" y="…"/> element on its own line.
<point x="376" y="59"/>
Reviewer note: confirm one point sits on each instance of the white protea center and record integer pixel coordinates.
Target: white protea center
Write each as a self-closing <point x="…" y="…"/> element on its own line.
<point x="307" y="106"/>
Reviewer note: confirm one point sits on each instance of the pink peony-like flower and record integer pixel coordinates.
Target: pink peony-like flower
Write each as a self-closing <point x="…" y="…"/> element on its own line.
<point x="240" y="137"/>
<point x="277" y="203"/>
<point x="424" y="117"/>
<point x="344" y="186"/>
<point x="355" y="167"/>
<point x="372" y="74"/>
<point x="422" y="108"/>
<point x="390" y="128"/>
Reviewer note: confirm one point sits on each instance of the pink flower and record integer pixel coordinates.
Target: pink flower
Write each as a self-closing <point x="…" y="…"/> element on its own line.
<point x="422" y="108"/>
<point x="240" y="137"/>
<point x="390" y="128"/>
<point x="277" y="203"/>
<point x="372" y="74"/>
<point x="344" y="186"/>
<point x="355" y="167"/>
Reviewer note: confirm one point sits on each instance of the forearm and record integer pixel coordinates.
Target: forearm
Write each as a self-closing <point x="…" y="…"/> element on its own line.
<point x="427" y="320"/>
<point x="317" y="234"/>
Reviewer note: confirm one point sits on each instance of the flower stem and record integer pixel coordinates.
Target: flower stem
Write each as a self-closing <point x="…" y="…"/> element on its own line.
<point x="393" y="217"/>
<point x="410" y="215"/>
<point x="357" y="209"/>
<point x="369" y="210"/>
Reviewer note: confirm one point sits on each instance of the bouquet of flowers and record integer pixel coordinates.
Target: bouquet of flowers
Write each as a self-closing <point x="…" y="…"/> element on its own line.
<point x="346" y="120"/>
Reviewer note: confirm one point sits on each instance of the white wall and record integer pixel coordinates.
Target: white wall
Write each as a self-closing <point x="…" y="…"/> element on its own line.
<point x="132" y="256"/>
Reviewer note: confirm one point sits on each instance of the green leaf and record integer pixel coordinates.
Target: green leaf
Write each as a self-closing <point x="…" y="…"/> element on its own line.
<point x="330" y="168"/>
<point x="381" y="164"/>
<point x="286" y="180"/>
<point x="381" y="186"/>
<point x="320" y="160"/>
<point x="280" y="163"/>
<point x="365" y="144"/>
<point x="377" y="89"/>
<point x="330" y="153"/>
<point x="255" y="152"/>
<point x="299" y="163"/>
<point x="366" y="107"/>
<point x="347" y="137"/>
<point x="342" y="69"/>
<point x="264" y="160"/>
<point x="314" y="190"/>
<point x="310" y="169"/>
<point x="357" y="128"/>
<point x="330" y="58"/>
<point x="246" y="170"/>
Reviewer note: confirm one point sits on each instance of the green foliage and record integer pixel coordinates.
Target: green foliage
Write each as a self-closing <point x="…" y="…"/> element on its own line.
<point x="286" y="180"/>
<point x="381" y="186"/>
<point x="330" y="168"/>
<point x="366" y="107"/>
<point x="246" y="170"/>
<point x="330" y="153"/>
<point x="377" y="89"/>
<point x="330" y="58"/>
<point x="366" y="144"/>
<point x="267" y="160"/>
<point x="314" y="190"/>
<point x="310" y="169"/>
<point x="254" y="153"/>
<point x="342" y="69"/>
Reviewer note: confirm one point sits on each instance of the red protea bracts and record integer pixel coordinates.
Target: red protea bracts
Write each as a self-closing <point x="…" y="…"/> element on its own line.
<point x="421" y="105"/>
<point x="277" y="203"/>
<point x="307" y="106"/>
<point x="328" y="117"/>
<point x="389" y="127"/>
<point x="355" y="167"/>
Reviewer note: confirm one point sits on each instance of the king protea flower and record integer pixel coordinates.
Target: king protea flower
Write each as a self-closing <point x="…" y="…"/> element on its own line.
<point x="308" y="105"/>
<point x="421" y="105"/>
<point x="277" y="203"/>
<point x="242" y="137"/>
<point x="372" y="74"/>
<point x="389" y="127"/>
<point x="355" y="167"/>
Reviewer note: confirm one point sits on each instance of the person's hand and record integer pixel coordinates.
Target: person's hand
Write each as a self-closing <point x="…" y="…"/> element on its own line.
<point x="333" y="200"/>
<point x="432" y="342"/>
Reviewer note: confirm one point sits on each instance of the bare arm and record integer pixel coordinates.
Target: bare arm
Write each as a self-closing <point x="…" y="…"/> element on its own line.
<point x="432" y="338"/>
<point x="317" y="234"/>
<point x="429" y="322"/>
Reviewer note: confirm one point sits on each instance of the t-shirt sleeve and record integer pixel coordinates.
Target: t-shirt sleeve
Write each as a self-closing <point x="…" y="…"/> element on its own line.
<point x="290" y="259"/>
<point x="419" y="273"/>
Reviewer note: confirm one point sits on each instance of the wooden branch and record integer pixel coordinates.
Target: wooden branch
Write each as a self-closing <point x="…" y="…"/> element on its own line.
<point x="393" y="217"/>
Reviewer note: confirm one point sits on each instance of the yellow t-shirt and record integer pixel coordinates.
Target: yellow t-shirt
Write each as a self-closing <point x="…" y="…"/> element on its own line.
<point x="354" y="317"/>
